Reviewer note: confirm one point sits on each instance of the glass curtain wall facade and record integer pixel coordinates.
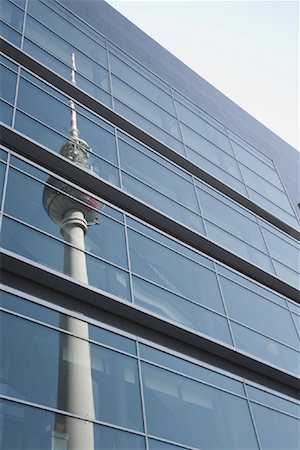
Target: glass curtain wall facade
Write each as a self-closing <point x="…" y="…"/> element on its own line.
<point x="181" y="330"/>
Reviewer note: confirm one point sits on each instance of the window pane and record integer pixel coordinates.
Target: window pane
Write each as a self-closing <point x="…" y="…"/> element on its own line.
<point x="45" y="108"/>
<point x="276" y="431"/>
<point x="28" y="428"/>
<point x="255" y="164"/>
<point x="59" y="365"/>
<point x="251" y="309"/>
<point x="273" y="401"/>
<point x="145" y="107"/>
<point x="231" y="220"/>
<point x="65" y="28"/>
<point x="6" y="112"/>
<point x="2" y="174"/>
<point x="204" y="128"/>
<point x="30" y="309"/>
<point x="112" y="339"/>
<point x="11" y="14"/>
<point x="179" y="310"/>
<point x="11" y="35"/>
<point x="179" y="364"/>
<point x="141" y="84"/>
<point x="190" y="413"/>
<point x="116" y="388"/>
<point x="210" y="151"/>
<point x="111" y="438"/>
<point x="162" y="203"/>
<point x="149" y="127"/>
<point x="173" y="271"/>
<point x="157" y="176"/>
<point x="262" y="347"/>
<point x="8" y="81"/>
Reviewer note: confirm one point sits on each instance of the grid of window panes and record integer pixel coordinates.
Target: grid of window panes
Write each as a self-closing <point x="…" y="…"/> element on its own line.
<point x="144" y="396"/>
<point x="135" y="262"/>
<point x="49" y="34"/>
<point x="140" y="171"/>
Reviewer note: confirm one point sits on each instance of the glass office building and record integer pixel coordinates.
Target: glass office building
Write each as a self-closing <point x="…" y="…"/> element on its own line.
<point x="150" y="258"/>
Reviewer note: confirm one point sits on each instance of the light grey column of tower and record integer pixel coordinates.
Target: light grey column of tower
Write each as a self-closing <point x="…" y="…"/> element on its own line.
<point x="73" y="211"/>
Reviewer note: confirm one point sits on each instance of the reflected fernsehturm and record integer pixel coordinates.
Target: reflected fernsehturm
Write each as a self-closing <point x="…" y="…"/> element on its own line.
<point x="74" y="211"/>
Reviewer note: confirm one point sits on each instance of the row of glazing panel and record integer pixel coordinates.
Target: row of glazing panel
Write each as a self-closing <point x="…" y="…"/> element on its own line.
<point x="50" y="34"/>
<point x="135" y="262"/>
<point x="138" y="170"/>
<point x="142" y="396"/>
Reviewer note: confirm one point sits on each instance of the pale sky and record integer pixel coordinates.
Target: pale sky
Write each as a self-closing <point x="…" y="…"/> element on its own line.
<point x="249" y="50"/>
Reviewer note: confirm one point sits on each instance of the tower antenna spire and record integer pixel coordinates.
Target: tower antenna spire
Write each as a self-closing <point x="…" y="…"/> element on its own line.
<point x="74" y="133"/>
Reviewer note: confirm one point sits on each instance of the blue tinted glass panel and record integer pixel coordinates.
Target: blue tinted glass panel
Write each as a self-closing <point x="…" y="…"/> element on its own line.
<point x="24" y="200"/>
<point x="6" y="112"/>
<point x="107" y="240"/>
<point x="179" y="310"/>
<point x="141" y="84"/>
<point x="173" y="271"/>
<point x="256" y="165"/>
<point x="116" y="388"/>
<point x="264" y="348"/>
<point x="112" y="339"/>
<point x="157" y="176"/>
<point x="210" y="151"/>
<point x="2" y="174"/>
<point x="274" y="209"/>
<point x="101" y="141"/>
<point x="68" y="31"/>
<point x="191" y="413"/>
<point x="106" y="438"/>
<point x="231" y="220"/>
<point x="217" y="171"/>
<point x="107" y="277"/>
<point x="159" y="445"/>
<point x="276" y="430"/>
<point x="23" y="427"/>
<point x="236" y="245"/>
<point x="11" y="35"/>
<point x="11" y="14"/>
<point x="31" y="377"/>
<point x="8" y="63"/>
<point x="167" y="241"/>
<point x="252" y="286"/>
<point x="20" y="3"/>
<point x="162" y="203"/>
<point x="266" y="189"/>
<point x="273" y="401"/>
<point x="8" y="81"/>
<point x="40" y="133"/>
<point x="253" y="310"/>
<point x="45" y="108"/>
<point x="29" y="309"/>
<point x="281" y="249"/>
<point x="149" y="127"/>
<point x="32" y="244"/>
<point x="203" y="128"/>
<point x="3" y="155"/>
<point x="58" y="362"/>
<point x="145" y="107"/>
<point x="28" y="428"/>
<point x="191" y="369"/>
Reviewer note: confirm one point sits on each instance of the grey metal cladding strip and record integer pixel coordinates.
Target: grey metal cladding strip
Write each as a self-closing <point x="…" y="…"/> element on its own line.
<point x="112" y="304"/>
<point x="17" y="141"/>
<point x="142" y="136"/>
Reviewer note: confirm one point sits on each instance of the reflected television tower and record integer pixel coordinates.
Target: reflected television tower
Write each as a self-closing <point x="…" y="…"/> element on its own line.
<point x="74" y="211"/>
